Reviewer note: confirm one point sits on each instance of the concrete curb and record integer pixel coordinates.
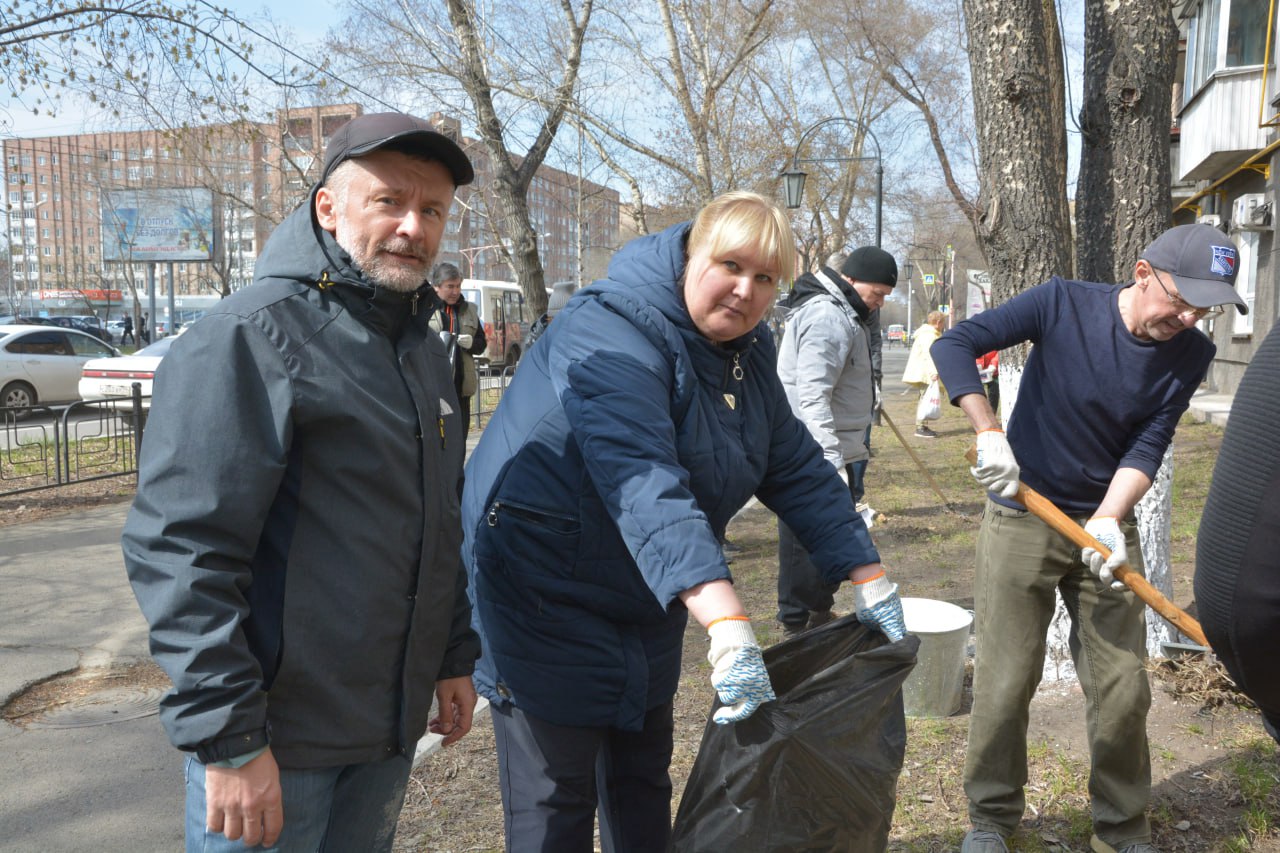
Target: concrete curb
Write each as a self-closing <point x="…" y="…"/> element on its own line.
<point x="1210" y="407"/>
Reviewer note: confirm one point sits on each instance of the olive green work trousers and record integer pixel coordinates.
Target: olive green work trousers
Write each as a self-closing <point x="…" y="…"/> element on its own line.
<point x="1021" y="561"/>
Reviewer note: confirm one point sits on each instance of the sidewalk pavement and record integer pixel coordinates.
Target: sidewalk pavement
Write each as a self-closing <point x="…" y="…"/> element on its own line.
<point x="1211" y="407"/>
<point x="113" y="781"/>
<point x="67" y="605"/>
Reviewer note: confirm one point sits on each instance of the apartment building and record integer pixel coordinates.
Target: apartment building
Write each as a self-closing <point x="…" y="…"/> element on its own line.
<point x="1224" y="159"/>
<point x="59" y="193"/>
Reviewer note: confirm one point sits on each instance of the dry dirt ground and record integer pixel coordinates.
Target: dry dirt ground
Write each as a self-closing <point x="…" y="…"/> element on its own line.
<point x="1216" y="775"/>
<point x="1215" y="772"/>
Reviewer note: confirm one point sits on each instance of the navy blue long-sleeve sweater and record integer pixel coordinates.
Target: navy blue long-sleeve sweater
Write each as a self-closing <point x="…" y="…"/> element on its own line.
<point x="1093" y="397"/>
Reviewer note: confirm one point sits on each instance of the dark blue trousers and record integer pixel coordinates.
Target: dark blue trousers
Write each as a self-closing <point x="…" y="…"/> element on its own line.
<point x="801" y="589"/>
<point x="555" y="779"/>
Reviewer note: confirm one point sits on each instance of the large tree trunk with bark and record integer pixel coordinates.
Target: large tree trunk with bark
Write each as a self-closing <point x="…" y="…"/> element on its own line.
<point x="1124" y="201"/>
<point x="1015" y="58"/>
<point x="1023" y="222"/>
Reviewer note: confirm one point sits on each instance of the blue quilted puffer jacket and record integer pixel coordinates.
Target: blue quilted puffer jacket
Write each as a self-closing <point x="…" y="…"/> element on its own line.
<point x="604" y="483"/>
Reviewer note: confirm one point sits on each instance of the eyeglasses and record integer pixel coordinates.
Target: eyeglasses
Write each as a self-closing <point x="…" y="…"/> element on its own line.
<point x="1180" y="305"/>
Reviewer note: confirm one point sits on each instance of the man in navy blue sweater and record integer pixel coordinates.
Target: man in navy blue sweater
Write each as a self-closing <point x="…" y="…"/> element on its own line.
<point x="1112" y="370"/>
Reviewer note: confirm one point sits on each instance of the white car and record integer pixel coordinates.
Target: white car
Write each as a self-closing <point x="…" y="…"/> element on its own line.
<point x="41" y="364"/>
<point x="114" y="377"/>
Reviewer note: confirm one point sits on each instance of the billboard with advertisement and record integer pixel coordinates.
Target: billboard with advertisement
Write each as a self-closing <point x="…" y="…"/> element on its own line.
<point x="90" y="295"/>
<point x="170" y="224"/>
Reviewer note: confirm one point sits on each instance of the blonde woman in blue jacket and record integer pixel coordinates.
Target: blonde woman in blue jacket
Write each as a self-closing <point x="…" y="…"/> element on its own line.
<point x="593" y="512"/>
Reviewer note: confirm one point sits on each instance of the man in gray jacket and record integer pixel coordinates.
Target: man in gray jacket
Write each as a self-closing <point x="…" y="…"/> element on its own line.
<point x="294" y="543"/>
<point x="825" y="361"/>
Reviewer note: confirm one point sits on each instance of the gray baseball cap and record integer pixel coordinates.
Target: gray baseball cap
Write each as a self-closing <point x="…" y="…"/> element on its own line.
<point x="1202" y="261"/>
<point x="400" y="132"/>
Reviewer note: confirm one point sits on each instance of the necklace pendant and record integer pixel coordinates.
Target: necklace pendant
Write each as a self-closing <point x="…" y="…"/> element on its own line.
<point x="731" y="401"/>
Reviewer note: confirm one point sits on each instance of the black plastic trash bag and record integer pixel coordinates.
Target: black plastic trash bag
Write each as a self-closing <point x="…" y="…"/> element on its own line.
<point x="816" y="770"/>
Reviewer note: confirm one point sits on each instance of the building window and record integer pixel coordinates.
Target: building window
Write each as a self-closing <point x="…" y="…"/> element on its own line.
<point x="1224" y="34"/>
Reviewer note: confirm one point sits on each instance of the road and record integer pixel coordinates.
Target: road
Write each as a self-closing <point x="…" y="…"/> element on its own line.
<point x="37" y="427"/>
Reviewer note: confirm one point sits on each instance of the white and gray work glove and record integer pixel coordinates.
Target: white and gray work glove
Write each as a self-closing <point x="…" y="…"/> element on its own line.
<point x="464" y="341"/>
<point x="738" y="673"/>
<point x="876" y="602"/>
<point x="1107" y="531"/>
<point x="996" y="470"/>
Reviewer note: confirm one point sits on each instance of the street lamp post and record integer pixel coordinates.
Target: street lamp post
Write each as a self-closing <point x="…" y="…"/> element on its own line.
<point x="793" y="179"/>
<point x="471" y="253"/>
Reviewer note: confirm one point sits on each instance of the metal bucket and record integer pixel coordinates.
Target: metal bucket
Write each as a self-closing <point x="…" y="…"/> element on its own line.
<point x="935" y="687"/>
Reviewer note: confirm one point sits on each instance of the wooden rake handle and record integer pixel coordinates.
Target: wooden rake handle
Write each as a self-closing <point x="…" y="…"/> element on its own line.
<point x="1043" y="509"/>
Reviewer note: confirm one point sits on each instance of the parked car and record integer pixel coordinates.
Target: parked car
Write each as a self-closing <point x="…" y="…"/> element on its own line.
<point x="114" y="377"/>
<point x="42" y="364"/>
<point x="89" y="325"/>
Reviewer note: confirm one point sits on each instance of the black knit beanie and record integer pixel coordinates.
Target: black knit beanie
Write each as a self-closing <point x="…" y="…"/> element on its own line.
<point x="872" y="265"/>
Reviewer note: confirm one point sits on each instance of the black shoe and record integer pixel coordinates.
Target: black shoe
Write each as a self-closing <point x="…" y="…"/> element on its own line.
<point x="819" y="617"/>
<point x="925" y="432"/>
<point x="793" y="629"/>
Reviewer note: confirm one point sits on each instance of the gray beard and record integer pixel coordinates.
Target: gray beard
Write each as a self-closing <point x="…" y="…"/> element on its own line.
<point x="383" y="275"/>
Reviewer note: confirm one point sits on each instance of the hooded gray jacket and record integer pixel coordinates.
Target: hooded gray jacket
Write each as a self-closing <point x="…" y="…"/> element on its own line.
<point x="294" y="543"/>
<point x="824" y="362"/>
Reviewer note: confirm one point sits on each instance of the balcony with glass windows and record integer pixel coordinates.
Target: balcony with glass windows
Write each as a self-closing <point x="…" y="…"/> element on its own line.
<point x="1223" y="88"/>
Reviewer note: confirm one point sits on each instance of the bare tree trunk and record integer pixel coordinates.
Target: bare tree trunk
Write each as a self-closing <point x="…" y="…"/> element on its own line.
<point x="510" y="183"/>
<point x="1124" y="200"/>
<point x="1023" y="223"/>
<point x="1015" y="59"/>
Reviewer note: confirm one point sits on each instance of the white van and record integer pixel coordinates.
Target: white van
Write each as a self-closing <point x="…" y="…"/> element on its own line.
<point x="505" y="317"/>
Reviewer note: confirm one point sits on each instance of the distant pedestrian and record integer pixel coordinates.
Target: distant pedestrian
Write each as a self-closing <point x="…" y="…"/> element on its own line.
<point x="460" y="319"/>
<point x="560" y="294"/>
<point x="127" y="330"/>
<point x="920" y="372"/>
<point x="144" y="329"/>
<point x="989" y="375"/>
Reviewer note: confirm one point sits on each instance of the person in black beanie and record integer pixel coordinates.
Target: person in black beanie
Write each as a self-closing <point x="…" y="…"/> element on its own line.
<point x="825" y="362"/>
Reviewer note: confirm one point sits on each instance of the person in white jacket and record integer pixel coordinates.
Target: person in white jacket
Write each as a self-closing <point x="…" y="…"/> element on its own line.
<point x="825" y="364"/>
<point x="920" y="372"/>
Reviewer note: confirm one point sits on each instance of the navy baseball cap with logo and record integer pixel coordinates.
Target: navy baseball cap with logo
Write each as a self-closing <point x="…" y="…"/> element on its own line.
<point x="399" y="132"/>
<point x="1202" y="261"/>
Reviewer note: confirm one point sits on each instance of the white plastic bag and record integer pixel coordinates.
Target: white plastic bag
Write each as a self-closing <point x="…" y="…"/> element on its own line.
<point x="930" y="406"/>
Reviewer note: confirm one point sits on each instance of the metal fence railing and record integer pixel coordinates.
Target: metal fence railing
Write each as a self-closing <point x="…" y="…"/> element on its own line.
<point x="43" y="447"/>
